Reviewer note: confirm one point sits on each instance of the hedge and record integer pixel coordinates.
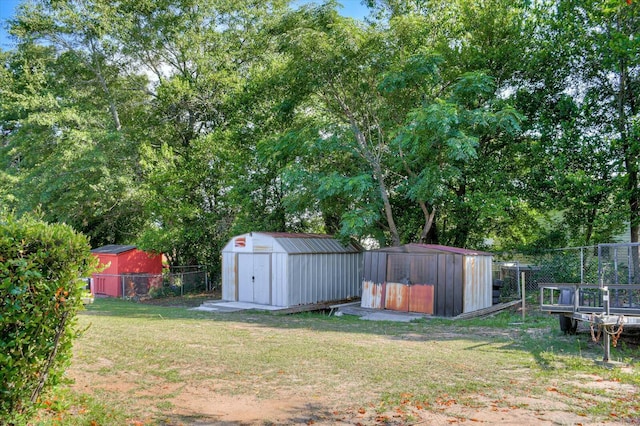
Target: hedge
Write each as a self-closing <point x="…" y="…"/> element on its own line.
<point x="41" y="266"/>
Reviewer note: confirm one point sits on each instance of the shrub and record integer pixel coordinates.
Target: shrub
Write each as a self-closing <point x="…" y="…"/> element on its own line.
<point x="40" y="295"/>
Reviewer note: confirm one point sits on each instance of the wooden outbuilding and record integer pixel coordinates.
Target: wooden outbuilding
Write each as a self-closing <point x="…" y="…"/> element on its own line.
<point x="285" y="270"/>
<point x="431" y="279"/>
<point x="127" y="268"/>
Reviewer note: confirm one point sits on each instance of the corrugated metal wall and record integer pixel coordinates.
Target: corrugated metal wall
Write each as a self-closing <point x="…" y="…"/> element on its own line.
<point x="279" y="277"/>
<point x="314" y="278"/>
<point x="477" y="294"/>
<point x="373" y="295"/>
<point x="461" y="283"/>
<point x="229" y="277"/>
<point x="449" y="288"/>
<point x="375" y="267"/>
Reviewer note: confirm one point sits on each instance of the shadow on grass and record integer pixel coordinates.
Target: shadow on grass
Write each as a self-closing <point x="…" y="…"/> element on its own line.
<point x="539" y="334"/>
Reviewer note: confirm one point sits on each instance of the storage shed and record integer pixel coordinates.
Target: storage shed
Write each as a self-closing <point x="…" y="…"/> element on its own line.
<point x="128" y="268"/>
<point x="284" y="270"/>
<point x="431" y="279"/>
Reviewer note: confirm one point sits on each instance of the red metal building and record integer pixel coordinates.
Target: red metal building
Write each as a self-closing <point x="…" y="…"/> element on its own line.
<point x="129" y="271"/>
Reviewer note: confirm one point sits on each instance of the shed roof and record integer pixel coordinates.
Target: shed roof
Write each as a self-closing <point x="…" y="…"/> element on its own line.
<point x="311" y="243"/>
<point x="112" y="249"/>
<point x="432" y="248"/>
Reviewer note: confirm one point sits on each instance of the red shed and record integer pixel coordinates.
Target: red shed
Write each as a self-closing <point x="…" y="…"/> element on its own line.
<point x="128" y="268"/>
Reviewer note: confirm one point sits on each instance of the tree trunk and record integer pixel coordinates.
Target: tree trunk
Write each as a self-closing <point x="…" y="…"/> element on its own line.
<point x="376" y="168"/>
<point x="377" y="171"/>
<point x="464" y="216"/>
<point x="97" y="69"/>
<point x="428" y="221"/>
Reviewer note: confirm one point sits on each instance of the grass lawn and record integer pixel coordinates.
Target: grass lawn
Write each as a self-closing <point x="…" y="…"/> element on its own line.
<point x="167" y="365"/>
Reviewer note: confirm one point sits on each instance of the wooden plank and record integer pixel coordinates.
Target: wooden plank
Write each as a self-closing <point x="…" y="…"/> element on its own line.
<point x="312" y="307"/>
<point x="341" y="305"/>
<point x="490" y="310"/>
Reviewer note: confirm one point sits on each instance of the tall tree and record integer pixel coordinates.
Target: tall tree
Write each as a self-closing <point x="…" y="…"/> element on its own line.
<point x="62" y="143"/>
<point x="584" y="113"/>
<point x="382" y="97"/>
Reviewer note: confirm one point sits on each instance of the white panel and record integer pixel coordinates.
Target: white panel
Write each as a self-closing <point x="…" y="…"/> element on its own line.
<point x="478" y="284"/>
<point x="371" y="295"/>
<point x="279" y="284"/>
<point x="229" y="277"/>
<point x="245" y="277"/>
<point x="262" y="279"/>
<point x="262" y="243"/>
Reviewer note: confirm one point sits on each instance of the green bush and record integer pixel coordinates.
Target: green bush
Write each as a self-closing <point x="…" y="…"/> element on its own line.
<point x="40" y="295"/>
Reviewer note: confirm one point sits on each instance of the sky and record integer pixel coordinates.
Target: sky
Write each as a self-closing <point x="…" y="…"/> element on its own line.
<point x="7" y="8"/>
<point x="351" y="8"/>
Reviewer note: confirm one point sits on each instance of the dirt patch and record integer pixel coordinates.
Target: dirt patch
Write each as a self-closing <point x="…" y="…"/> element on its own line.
<point x="204" y="404"/>
<point x="207" y="405"/>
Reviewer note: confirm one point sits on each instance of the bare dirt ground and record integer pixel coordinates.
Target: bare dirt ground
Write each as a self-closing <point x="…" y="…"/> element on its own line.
<point x="202" y="404"/>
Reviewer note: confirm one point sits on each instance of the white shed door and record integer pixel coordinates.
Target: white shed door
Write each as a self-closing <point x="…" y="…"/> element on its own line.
<point x="254" y="278"/>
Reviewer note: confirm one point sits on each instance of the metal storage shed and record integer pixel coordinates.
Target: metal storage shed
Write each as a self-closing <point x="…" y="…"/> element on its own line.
<point x="282" y="269"/>
<point x="432" y="279"/>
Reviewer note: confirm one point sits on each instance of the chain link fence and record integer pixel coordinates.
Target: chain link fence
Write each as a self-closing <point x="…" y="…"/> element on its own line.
<point x="186" y="279"/>
<point x="577" y="265"/>
<point x="176" y="281"/>
<point x="604" y="264"/>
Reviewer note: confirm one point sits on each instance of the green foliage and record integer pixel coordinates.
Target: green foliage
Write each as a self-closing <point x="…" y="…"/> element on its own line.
<point x="584" y="161"/>
<point x="40" y="294"/>
<point x="385" y="103"/>
<point x="176" y="124"/>
<point x="61" y="150"/>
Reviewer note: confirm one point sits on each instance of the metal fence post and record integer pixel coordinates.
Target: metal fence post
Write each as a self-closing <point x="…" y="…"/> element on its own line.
<point x="581" y="265"/>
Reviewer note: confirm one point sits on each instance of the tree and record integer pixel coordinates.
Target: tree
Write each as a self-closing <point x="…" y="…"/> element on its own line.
<point x="584" y="116"/>
<point x="392" y="105"/>
<point x="64" y="106"/>
<point x="199" y="153"/>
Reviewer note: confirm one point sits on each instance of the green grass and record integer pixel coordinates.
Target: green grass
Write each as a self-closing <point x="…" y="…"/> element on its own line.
<point x="343" y="362"/>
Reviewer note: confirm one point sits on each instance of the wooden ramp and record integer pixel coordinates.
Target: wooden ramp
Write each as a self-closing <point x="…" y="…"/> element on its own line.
<point x="488" y="311"/>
